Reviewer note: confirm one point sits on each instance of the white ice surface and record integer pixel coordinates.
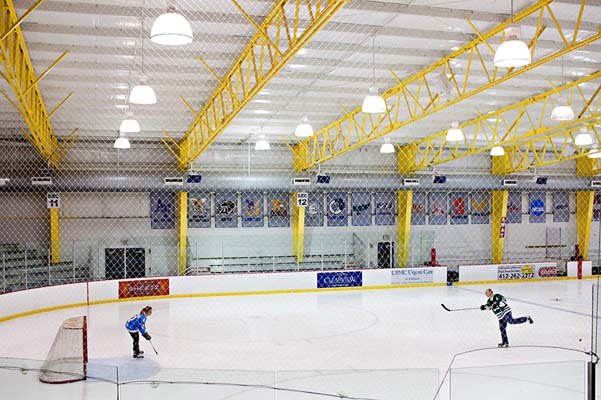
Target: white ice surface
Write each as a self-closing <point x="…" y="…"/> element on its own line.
<point x="351" y="343"/>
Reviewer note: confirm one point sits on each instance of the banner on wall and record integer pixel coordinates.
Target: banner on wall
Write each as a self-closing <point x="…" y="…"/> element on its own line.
<point x="536" y="208"/>
<point x="162" y="210"/>
<point x="411" y="275"/>
<point x="527" y="271"/>
<point x="339" y="279"/>
<point x="597" y="207"/>
<point x="337" y="209"/>
<point x="199" y="210"/>
<point x="437" y="208"/>
<point x="361" y="208"/>
<point x="561" y="207"/>
<point x="459" y="208"/>
<point x="514" y="208"/>
<point x="480" y="207"/>
<point x="251" y="204"/>
<point x="143" y="288"/>
<point x="385" y="208"/>
<point x="226" y="210"/>
<point x="278" y="209"/>
<point x="418" y="209"/>
<point x="314" y="210"/>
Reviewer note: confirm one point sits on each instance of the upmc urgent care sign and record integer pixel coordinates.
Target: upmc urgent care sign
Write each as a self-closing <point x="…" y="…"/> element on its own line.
<point x="143" y="288"/>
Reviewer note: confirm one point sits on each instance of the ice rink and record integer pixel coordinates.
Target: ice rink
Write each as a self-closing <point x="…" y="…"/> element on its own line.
<point x="376" y="344"/>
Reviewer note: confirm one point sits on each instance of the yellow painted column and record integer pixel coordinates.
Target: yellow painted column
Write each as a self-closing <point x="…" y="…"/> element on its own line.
<point x="406" y="159"/>
<point x="182" y="231"/>
<point x="584" y="218"/>
<point x="501" y="165"/>
<point x="55" y="245"/>
<point x="405" y="204"/>
<point x="498" y="223"/>
<point x="298" y="228"/>
<point x="585" y="166"/>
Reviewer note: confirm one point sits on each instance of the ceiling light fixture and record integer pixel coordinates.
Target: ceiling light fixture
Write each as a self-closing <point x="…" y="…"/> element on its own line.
<point x="373" y="102"/>
<point x="171" y="29"/>
<point x="497" y="151"/>
<point x="455" y="134"/>
<point x="129" y="125"/>
<point x="387" y="147"/>
<point x="594" y="153"/>
<point x="142" y="93"/>
<point x="304" y="129"/>
<point x="562" y="111"/>
<point x="262" y="144"/>
<point x="121" y="142"/>
<point x="583" y="138"/>
<point x="512" y="52"/>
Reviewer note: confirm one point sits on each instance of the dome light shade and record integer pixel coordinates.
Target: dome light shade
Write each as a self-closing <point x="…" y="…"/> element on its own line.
<point x="121" y="143"/>
<point x="373" y="102"/>
<point x="129" y="125"/>
<point x="562" y="112"/>
<point x="497" y="151"/>
<point x="304" y="129"/>
<point x="262" y="144"/>
<point x="142" y="94"/>
<point x="387" y="147"/>
<point x="512" y="52"/>
<point x="594" y="153"/>
<point x="583" y="139"/>
<point x="171" y="29"/>
<point x="455" y="134"/>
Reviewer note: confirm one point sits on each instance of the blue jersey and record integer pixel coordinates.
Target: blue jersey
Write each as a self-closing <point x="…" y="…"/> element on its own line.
<point x="137" y="323"/>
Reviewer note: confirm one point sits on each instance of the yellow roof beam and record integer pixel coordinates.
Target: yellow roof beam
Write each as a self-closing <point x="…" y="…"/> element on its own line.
<point x="285" y="30"/>
<point x="509" y="125"/>
<point x="18" y="71"/>
<point x="546" y="150"/>
<point x="440" y="86"/>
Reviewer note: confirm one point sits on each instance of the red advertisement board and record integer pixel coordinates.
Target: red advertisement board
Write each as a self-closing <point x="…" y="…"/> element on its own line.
<point x="143" y="288"/>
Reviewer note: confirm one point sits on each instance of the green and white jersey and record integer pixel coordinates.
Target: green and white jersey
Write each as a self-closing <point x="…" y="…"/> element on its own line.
<point x="498" y="304"/>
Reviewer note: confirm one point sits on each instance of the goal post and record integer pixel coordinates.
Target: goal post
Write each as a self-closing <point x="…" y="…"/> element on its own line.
<point x="68" y="356"/>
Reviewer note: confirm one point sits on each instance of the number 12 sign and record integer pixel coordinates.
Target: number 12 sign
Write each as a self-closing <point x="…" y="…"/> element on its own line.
<point x="302" y="199"/>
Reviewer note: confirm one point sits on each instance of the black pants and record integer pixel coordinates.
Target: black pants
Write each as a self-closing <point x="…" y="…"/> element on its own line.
<point x="508" y="319"/>
<point x="136" y="337"/>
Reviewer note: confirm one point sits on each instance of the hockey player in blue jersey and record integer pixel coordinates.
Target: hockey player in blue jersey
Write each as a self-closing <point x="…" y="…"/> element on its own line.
<point x="136" y="325"/>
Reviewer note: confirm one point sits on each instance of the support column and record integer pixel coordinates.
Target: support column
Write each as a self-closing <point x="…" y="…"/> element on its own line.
<point x="585" y="166"/>
<point x="406" y="159"/>
<point x="498" y="218"/>
<point x="584" y="219"/>
<point x="55" y="245"/>
<point x="298" y="227"/>
<point x="502" y="165"/>
<point x="182" y="231"/>
<point x="405" y="204"/>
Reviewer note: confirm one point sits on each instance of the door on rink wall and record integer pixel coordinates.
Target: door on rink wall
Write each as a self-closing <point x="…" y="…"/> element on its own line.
<point x="123" y="263"/>
<point x="385" y="254"/>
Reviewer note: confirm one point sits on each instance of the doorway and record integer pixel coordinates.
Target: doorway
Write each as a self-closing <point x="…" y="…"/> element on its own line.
<point x="121" y="263"/>
<point x="385" y="254"/>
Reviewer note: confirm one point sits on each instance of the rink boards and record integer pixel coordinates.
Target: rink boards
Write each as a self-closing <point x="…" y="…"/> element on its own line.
<point x="33" y="301"/>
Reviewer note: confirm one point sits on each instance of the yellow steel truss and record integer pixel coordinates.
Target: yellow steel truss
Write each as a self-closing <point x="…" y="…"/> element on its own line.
<point x="277" y="40"/>
<point x="546" y="150"/>
<point x="18" y="72"/>
<point x="441" y="85"/>
<point x="509" y="125"/>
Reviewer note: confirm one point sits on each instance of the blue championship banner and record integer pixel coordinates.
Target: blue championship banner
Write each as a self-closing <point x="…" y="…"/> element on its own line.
<point x="278" y="209"/>
<point x="480" y="207"/>
<point x="514" y="208"/>
<point x="337" y="209"/>
<point x="251" y="204"/>
<point x="314" y="209"/>
<point x="199" y="209"/>
<point x="162" y="210"/>
<point x="561" y="207"/>
<point x="385" y="204"/>
<point x="226" y="210"/>
<point x="536" y="208"/>
<point x="361" y="208"/>
<point x="339" y="279"/>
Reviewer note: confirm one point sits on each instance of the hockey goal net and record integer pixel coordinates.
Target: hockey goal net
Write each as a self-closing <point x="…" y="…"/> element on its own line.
<point x="67" y="358"/>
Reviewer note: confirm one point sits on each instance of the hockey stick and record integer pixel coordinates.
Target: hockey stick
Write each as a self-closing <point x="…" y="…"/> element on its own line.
<point x="155" y="350"/>
<point x="459" y="309"/>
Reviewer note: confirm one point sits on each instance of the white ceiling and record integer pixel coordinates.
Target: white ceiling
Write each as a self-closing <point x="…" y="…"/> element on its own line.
<point x="332" y="73"/>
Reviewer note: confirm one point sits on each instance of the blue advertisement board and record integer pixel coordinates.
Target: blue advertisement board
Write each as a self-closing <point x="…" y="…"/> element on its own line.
<point x="278" y="209"/>
<point x="226" y="210"/>
<point x="536" y="208"/>
<point x="361" y="208"/>
<point x="385" y="208"/>
<point x="337" y="209"/>
<point x="162" y="210"/>
<point x="314" y="210"/>
<point x="561" y="207"/>
<point x="199" y="209"/>
<point x="514" y="208"/>
<point x="252" y="209"/>
<point x="339" y="279"/>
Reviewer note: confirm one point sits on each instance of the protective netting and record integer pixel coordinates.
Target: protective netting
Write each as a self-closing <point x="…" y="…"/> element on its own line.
<point x="67" y="358"/>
